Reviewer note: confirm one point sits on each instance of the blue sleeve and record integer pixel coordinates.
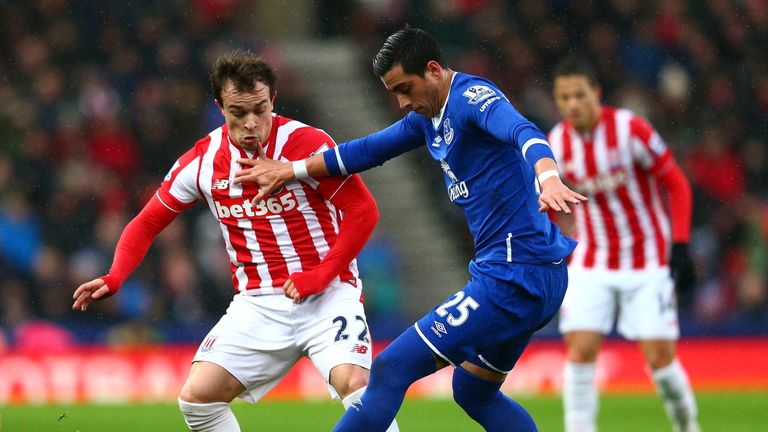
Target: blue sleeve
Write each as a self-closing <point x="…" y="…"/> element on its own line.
<point x="505" y="124"/>
<point x="373" y="150"/>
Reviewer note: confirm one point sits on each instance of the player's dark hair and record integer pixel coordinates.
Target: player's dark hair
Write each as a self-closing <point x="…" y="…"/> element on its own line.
<point x="409" y="47"/>
<point x="574" y="64"/>
<point x="243" y="69"/>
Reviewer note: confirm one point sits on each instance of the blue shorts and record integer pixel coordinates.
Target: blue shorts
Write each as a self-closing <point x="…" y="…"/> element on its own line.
<point x="490" y="322"/>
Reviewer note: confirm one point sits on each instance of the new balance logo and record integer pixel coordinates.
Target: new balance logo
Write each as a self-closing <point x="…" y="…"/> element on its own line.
<point x="360" y="349"/>
<point x="220" y="184"/>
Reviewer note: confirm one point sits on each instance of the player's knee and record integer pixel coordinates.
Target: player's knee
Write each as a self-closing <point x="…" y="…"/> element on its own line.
<point x="350" y="381"/>
<point x="208" y="416"/>
<point x="384" y="371"/>
<point x="201" y="391"/>
<point x="660" y="359"/>
<point x="197" y="394"/>
<point x="461" y="397"/>
<point x="582" y="353"/>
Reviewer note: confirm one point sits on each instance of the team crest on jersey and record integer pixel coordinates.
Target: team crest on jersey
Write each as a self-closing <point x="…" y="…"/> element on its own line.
<point x="478" y="93"/>
<point x="447" y="131"/>
<point x="220" y="184"/>
<point x="208" y="344"/>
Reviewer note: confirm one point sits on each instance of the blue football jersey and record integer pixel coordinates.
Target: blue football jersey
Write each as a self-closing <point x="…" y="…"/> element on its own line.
<point x="481" y="143"/>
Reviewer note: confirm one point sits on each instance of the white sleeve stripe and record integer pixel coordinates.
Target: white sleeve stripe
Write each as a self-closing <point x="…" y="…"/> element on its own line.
<point x="341" y="163"/>
<point x="533" y="141"/>
<point x="338" y="188"/>
<point x="166" y="205"/>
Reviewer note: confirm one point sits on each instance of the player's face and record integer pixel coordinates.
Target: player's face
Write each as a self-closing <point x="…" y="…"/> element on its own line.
<point x="248" y="114"/>
<point x="578" y="101"/>
<point x="413" y="92"/>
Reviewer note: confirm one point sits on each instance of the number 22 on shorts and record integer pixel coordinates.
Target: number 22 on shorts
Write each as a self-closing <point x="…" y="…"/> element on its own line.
<point x="463" y="304"/>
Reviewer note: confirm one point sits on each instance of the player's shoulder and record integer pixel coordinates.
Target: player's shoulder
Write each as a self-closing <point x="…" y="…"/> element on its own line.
<point x="296" y="140"/>
<point x="624" y="115"/>
<point x="214" y="137"/>
<point x="638" y="125"/>
<point x="473" y="89"/>
<point x="474" y="93"/>
<point x="555" y="135"/>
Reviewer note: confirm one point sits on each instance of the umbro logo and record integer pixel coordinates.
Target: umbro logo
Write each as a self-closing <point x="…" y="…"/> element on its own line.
<point x="220" y="184"/>
<point x="439" y="329"/>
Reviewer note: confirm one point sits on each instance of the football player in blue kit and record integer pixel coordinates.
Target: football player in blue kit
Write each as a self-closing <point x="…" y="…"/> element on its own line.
<point x="500" y="170"/>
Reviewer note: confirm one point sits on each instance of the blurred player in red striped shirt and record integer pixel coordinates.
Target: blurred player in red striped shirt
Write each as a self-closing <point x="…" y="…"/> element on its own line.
<point x="292" y="254"/>
<point x="629" y="239"/>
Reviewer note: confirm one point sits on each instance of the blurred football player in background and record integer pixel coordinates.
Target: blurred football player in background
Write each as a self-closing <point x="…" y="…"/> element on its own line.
<point x="628" y="259"/>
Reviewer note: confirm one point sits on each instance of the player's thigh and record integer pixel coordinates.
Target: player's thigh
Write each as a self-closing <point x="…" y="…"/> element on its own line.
<point x="491" y="320"/>
<point x="253" y="342"/>
<point x="208" y="382"/>
<point x="649" y="309"/>
<point x="333" y="330"/>
<point x="525" y="301"/>
<point x="589" y="303"/>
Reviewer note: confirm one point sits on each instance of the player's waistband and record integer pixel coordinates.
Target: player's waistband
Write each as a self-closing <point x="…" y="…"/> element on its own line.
<point x="260" y="291"/>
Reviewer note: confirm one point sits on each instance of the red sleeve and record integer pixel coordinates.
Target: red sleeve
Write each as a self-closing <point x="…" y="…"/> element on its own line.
<point x="136" y="239"/>
<point x="359" y="217"/>
<point x="680" y="201"/>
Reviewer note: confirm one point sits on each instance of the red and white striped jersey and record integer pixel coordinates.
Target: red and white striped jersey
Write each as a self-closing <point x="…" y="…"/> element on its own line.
<point x="625" y="224"/>
<point x="290" y="231"/>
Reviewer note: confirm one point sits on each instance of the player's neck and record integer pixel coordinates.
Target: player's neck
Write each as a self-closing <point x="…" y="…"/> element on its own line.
<point x="445" y="87"/>
<point x="590" y="126"/>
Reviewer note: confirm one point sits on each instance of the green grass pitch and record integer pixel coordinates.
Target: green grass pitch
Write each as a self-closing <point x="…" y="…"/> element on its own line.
<point x="718" y="412"/>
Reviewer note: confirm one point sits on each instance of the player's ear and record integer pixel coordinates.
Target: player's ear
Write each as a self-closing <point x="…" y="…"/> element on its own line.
<point x="598" y="91"/>
<point x="434" y="68"/>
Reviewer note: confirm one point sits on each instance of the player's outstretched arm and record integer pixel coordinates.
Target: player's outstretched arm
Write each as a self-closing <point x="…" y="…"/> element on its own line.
<point x="130" y="250"/>
<point x="270" y="174"/>
<point x="554" y="194"/>
<point x="347" y="158"/>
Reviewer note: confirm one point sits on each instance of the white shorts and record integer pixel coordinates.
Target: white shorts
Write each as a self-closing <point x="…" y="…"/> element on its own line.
<point x="261" y="337"/>
<point x="642" y="302"/>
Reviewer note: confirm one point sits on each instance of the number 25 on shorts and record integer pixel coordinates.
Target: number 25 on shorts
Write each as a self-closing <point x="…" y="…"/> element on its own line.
<point x="463" y="304"/>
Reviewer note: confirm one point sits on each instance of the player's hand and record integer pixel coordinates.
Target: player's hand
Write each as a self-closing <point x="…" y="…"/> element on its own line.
<point x="292" y="292"/>
<point x="94" y="290"/>
<point x="268" y="174"/>
<point x="557" y="196"/>
<point x="681" y="266"/>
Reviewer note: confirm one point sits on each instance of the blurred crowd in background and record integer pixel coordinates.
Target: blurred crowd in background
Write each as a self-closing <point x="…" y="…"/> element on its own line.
<point x="97" y="100"/>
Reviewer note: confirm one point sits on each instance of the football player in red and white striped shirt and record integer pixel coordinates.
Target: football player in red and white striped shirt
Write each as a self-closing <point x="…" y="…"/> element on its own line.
<point x="292" y="254"/>
<point x="626" y="232"/>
